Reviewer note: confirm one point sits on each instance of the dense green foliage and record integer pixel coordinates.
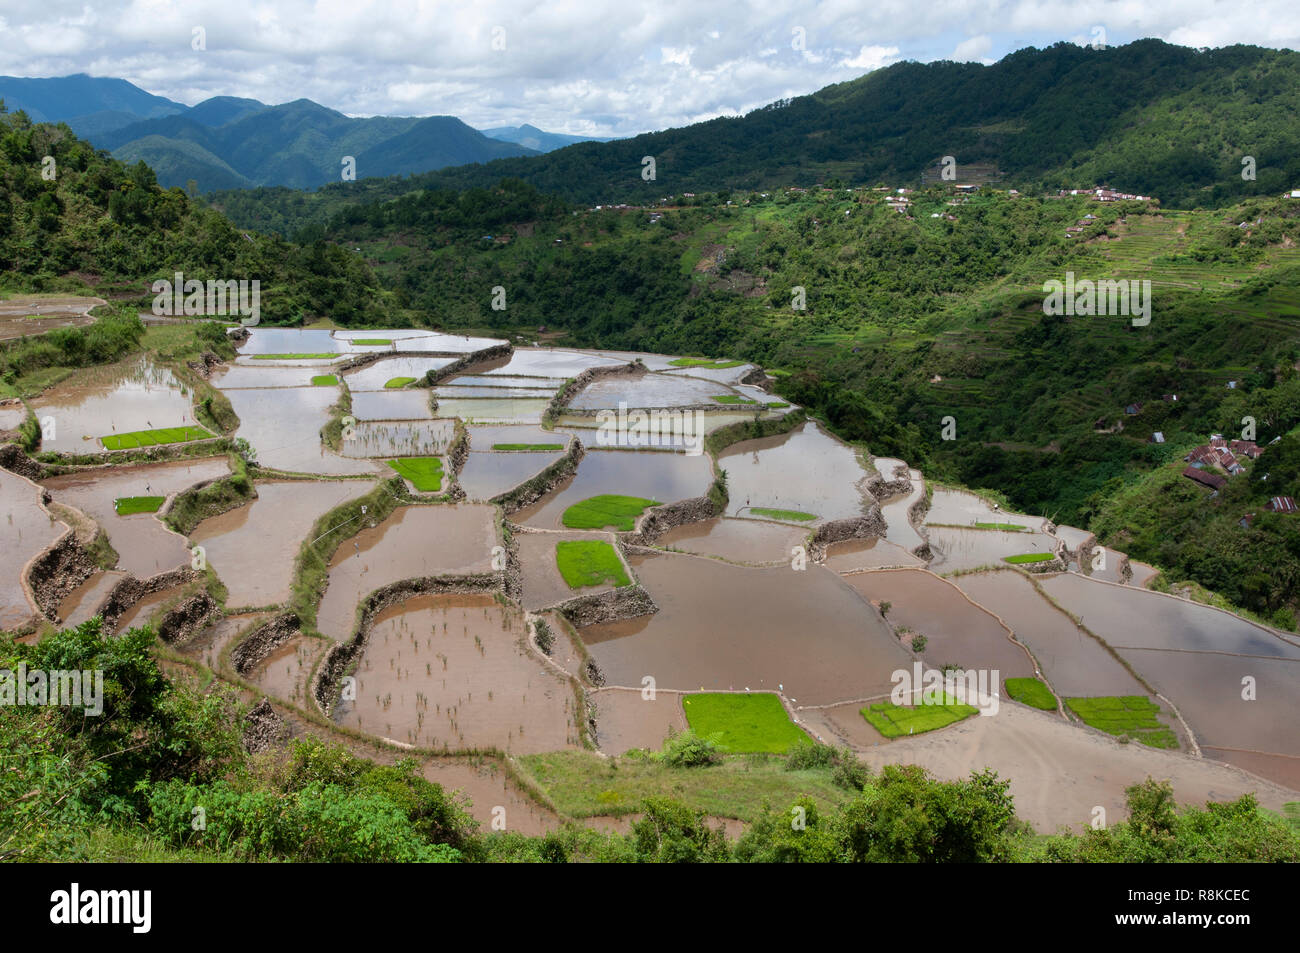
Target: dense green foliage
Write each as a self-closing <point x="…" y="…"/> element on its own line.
<point x="1147" y="117"/>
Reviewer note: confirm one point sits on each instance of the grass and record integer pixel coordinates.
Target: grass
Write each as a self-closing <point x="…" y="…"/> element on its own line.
<point x="1125" y="716"/>
<point x="582" y="784"/>
<point x="153" y="438"/>
<point x="296" y="357"/>
<point x="704" y="362"/>
<point x="589" y="563"/>
<point x="598" y="512"/>
<point x="396" y="382"/>
<point x="1006" y="527"/>
<point x="895" y="721"/>
<point x="126" y="505"/>
<point x="776" y="405"/>
<point x="425" y="473"/>
<point x="324" y="380"/>
<point x="1032" y="692"/>
<point x="528" y="446"/>
<point x="782" y="514"/>
<point x="742" y="723"/>
<point x="733" y="399"/>
<point x="1029" y="558"/>
<point x="373" y="342"/>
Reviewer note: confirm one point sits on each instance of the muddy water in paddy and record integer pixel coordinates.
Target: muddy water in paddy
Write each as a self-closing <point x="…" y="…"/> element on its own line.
<point x="650" y="390"/>
<point x="28" y="529"/>
<point x="726" y="627"/>
<point x="12" y="415"/>
<point x="252" y="548"/>
<point x="415" y="340"/>
<point x="874" y="553"/>
<point x="491" y="381"/>
<point x="414" y="541"/>
<point x="959" y="508"/>
<point x="490" y="410"/>
<point x="1074" y="662"/>
<point x="725" y="375"/>
<point x="416" y="438"/>
<point x="285" y="671"/>
<point x="1281" y="769"/>
<point x="290" y="341"/>
<point x="454" y="671"/>
<point x="485" y="436"/>
<point x="1207" y="689"/>
<point x="970" y="548"/>
<point x="1125" y="616"/>
<point x="896" y="509"/>
<point x="490" y="393"/>
<point x="375" y="376"/>
<point x="806" y="470"/>
<point x="739" y="540"/>
<point x="626" y="720"/>
<point x="956" y="631"/>
<point x="246" y="376"/>
<point x="208" y="644"/>
<point x="544" y="362"/>
<point x="144" y="545"/>
<point x="284" y="424"/>
<point x="391" y="405"/>
<point x="649" y="474"/>
<point x="487" y="474"/>
<point x="84" y="601"/>
<point x="117" y="398"/>
<point x="542" y="583"/>
<point x="148" y="608"/>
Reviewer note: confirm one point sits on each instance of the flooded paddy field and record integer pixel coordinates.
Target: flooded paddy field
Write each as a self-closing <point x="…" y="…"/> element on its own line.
<point x="455" y="672"/>
<point x="724" y="627"/>
<point x="414" y="340"/>
<point x="1137" y="618"/>
<point x="653" y="475"/>
<point x="21" y="315"/>
<point x="737" y="540"/>
<point x="545" y="362"/>
<point x="391" y="405"/>
<point x="12" y="414"/>
<point x="955" y="549"/>
<point x="807" y="470"/>
<point x="252" y="548"/>
<point x="283" y="425"/>
<point x="650" y="390"/>
<point x="445" y="392"/>
<point x="627" y="720"/>
<point x="960" y="508"/>
<point x="720" y="375"/>
<point x="148" y="609"/>
<point x="542" y="583"/>
<point x="418" y="438"/>
<point x="291" y="341"/>
<point x="487" y="436"/>
<point x="262" y="374"/>
<point x="375" y="376"/>
<point x="113" y="399"/>
<point x="487" y="474"/>
<point x="858" y="554"/>
<point x="491" y="381"/>
<point x="414" y="541"/>
<point x="495" y="410"/>
<point x="1075" y="663"/>
<point x="85" y="601"/>
<point x="208" y="644"/>
<point x="284" y="673"/>
<point x="897" y="509"/>
<point x="29" y="530"/>
<point x="956" y="630"/>
<point x="145" y="547"/>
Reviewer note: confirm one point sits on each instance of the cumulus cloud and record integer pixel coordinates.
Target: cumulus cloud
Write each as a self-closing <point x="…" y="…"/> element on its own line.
<point x="599" y="67"/>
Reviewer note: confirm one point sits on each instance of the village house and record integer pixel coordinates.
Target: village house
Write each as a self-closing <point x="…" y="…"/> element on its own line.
<point x="1214" y="481"/>
<point x="1281" y="504"/>
<point x="1246" y="448"/>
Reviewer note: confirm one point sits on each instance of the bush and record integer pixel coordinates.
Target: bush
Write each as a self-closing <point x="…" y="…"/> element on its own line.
<point x="688" y="750"/>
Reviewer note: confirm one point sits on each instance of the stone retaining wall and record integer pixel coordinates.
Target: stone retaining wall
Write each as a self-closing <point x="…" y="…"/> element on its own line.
<point x="871" y="525"/>
<point x="466" y="364"/>
<point x="574" y="385"/>
<point x="626" y="602"/>
<point x="56" y="572"/>
<point x="130" y="590"/>
<point x="526" y="493"/>
<point x="658" y="520"/>
<point x="188" y="617"/>
<point x="262" y="641"/>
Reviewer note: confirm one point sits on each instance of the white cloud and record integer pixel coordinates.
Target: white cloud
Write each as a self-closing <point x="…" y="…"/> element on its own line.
<point x="599" y="67"/>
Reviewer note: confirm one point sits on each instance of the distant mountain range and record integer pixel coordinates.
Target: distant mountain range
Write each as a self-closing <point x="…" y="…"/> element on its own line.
<point x="230" y="143"/>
